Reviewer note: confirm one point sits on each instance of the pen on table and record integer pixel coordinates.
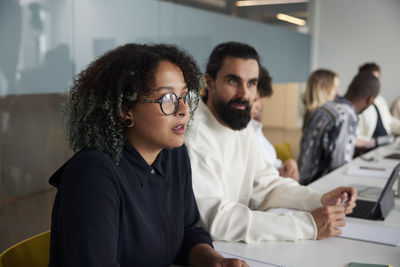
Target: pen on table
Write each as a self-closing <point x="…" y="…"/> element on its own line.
<point x="372" y="168"/>
<point x="344" y="200"/>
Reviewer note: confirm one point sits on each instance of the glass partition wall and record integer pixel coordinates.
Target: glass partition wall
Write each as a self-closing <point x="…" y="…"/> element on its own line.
<point x="44" y="43"/>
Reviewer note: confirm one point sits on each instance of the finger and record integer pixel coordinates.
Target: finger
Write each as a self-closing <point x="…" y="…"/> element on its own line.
<point x="333" y="231"/>
<point x="292" y="173"/>
<point x="352" y="204"/>
<point x="351" y="192"/>
<point x="340" y="223"/>
<point x="336" y="217"/>
<point x="335" y="208"/>
<point x="349" y="208"/>
<point x="336" y="232"/>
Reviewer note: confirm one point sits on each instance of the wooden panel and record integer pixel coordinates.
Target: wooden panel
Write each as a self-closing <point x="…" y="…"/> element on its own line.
<point x="32" y="144"/>
<point x="283" y="108"/>
<point x="280" y="135"/>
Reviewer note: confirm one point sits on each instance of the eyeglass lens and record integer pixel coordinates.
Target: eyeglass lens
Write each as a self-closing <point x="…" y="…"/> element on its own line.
<point x="170" y="102"/>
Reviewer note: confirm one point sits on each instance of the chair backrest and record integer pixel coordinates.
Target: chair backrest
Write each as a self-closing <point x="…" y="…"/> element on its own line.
<point x="32" y="252"/>
<point x="283" y="151"/>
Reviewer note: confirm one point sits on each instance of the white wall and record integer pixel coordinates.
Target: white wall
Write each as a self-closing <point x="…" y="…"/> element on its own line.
<point x="348" y="33"/>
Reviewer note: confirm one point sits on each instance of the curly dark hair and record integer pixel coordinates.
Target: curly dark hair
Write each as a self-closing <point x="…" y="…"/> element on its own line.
<point x="264" y="86"/>
<point x="110" y="85"/>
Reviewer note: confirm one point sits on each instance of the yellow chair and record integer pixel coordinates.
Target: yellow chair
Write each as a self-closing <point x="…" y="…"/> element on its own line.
<point x="283" y="151"/>
<point x="32" y="252"/>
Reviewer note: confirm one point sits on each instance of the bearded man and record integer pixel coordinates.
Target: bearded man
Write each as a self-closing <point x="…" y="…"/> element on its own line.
<point x="233" y="185"/>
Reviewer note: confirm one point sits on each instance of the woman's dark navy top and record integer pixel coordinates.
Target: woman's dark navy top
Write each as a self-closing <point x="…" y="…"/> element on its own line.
<point x="126" y="214"/>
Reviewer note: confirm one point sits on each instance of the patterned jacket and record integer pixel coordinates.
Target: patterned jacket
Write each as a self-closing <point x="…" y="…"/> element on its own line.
<point x="328" y="140"/>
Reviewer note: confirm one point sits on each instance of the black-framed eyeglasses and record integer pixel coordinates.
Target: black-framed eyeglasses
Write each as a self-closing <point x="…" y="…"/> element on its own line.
<point x="169" y="103"/>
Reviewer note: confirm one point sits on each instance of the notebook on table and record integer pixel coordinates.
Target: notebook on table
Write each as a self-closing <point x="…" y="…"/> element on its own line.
<point x="376" y="207"/>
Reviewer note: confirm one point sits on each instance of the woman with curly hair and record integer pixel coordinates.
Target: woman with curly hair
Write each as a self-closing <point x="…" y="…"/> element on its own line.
<point x="125" y="198"/>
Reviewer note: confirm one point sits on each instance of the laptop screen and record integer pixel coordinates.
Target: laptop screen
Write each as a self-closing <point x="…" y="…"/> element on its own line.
<point x="389" y="184"/>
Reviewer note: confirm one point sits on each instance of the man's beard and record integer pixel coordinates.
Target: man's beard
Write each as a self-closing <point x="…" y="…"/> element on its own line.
<point x="236" y="119"/>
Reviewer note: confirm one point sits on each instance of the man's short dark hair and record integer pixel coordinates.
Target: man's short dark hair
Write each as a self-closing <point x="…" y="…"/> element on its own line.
<point x="369" y="66"/>
<point x="363" y="85"/>
<point x="229" y="49"/>
<point x="264" y="86"/>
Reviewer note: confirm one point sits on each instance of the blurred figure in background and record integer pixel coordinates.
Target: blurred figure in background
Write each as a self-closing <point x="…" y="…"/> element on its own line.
<point x="395" y="108"/>
<point x="322" y="86"/>
<point x="376" y="121"/>
<point x="264" y="89"/>
<point x="328" y="140"/>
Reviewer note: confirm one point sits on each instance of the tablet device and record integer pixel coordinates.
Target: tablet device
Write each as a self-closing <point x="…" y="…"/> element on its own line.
<point x="393" y="156"/>
<point x="378" y="209"/>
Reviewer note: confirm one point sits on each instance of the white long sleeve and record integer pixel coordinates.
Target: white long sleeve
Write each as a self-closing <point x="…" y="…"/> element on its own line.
<point x="266" y="148"/>
<point x="234" y="187"/>
<point x="368" y="118"/>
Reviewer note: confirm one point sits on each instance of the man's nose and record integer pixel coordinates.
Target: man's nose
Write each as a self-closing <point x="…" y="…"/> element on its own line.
<point x="243" y="91"/>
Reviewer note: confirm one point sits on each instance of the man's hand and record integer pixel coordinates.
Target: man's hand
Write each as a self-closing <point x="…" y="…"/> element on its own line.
<point x="289" y="169"/>
<point x="327" y="219"/>
<point x="348" y="195"/>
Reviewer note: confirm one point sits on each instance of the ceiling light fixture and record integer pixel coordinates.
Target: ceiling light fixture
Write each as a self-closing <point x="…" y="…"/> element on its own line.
<point x="267" y="2"/>
<point x="291" y="19"/>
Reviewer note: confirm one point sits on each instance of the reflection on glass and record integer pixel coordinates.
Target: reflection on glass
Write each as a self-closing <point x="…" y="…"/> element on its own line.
<point x="35" y="68"/>
<point x="259" y="10"/>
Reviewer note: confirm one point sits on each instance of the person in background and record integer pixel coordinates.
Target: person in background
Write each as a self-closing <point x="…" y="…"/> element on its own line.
<point x="234" y="187"/>
<point x="125" y="198"/>
<point x="322" y="86"/>
<point x="264" y="89"/>
<point x="395" y="108"/>
<point x="328" y="140"/>
<point x="376" y="121"/>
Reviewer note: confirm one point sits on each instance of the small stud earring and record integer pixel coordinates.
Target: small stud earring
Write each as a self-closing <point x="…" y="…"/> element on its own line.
<point x="128" y="123"/>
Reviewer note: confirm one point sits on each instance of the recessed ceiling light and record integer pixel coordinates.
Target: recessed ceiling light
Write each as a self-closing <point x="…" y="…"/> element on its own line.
<point x="267" y="2"/>
<point x="291" y="19"/>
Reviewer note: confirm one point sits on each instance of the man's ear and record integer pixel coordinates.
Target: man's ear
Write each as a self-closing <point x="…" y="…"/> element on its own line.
<point x="210" y="82"/>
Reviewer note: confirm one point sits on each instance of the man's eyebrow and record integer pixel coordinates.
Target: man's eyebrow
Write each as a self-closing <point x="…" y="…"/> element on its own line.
<point x="233" y="76"/>
<point x="236" y="77"/>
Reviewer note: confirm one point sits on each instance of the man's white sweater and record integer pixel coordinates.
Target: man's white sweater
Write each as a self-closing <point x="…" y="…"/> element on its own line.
<point x="235" y="188"/>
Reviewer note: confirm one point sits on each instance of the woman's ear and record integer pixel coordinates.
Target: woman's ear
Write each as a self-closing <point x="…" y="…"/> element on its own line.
<point x="127" y="118"/>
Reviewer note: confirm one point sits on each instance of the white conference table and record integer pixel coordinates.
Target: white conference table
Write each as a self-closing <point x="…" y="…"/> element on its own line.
<point x="335" y="251"/>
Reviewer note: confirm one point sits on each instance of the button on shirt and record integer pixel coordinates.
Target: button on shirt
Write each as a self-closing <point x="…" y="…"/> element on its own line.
<point x="126" y="214"/>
